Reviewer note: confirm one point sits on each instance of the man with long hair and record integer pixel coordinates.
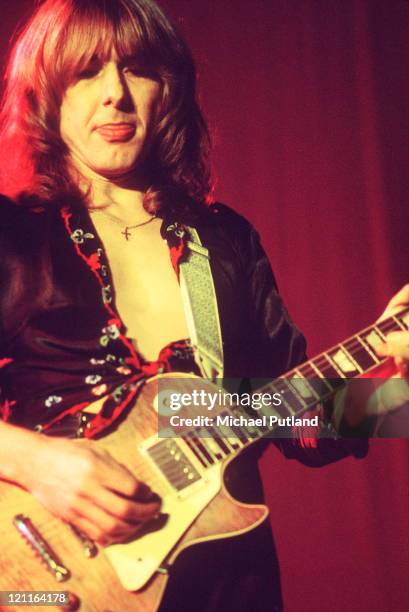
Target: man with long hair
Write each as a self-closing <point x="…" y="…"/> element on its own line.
<point x="104" y="165"/>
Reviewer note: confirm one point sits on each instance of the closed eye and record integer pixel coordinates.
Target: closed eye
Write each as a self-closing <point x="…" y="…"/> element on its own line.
<point x="88" y="73"/>
<point x="140" y="71"/>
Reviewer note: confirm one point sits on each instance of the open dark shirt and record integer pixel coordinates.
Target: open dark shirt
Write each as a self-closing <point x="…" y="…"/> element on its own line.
<point x="73" y="349"/>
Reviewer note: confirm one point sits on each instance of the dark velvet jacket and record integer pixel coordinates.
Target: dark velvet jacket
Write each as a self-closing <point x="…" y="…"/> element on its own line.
<point x="57" y="297"/>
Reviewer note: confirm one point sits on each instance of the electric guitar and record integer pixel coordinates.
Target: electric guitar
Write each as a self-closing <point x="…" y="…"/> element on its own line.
<point x="39" y="552"/>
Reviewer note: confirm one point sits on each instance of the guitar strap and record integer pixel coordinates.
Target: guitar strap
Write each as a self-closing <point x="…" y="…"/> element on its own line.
<point x="200" y="306"/>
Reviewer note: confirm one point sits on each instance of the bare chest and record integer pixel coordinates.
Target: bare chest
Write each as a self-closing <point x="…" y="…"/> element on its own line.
<point x="146" y="289"/>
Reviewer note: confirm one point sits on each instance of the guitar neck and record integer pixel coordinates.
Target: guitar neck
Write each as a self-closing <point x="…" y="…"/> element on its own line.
<point x="300" y="389"/>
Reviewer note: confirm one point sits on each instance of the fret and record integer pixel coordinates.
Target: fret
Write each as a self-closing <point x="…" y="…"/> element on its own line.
<point x="264" y="408"/>
<point x="351" y="355"/>
<point x="262" y="429"/>
<point x="338" y="371"/>
<point x="301" y="391"/>
<point x="282" y="410"/>
<point x="366" y="355"/>
<point x="316" y="369"/>
<point x="211" y="444"/>
<point x="385" y="327"/>
<point x="372" y="338"/>
<point x="228" y="439"/>
<point x="293" y="402"/>
<point x="377" y="328"/>
<point x="202" y="435"/>
<point x="323" y="364"/>
<point x="196" y="448"/>
<point x="399" y="323"/>
<point x="320" y="385"/>
<point x="227" y="434"/>
<point x="219" y="441"/>
<point x="240" y="432"/>
<point x="276" y="411"/>
<point x="254" y="431"/>
<point x="344" y="361"/>
<point x="332" y="377"/>
<point x="303" y="387"/>
<point x="404" y="318"/>
<point x="330" y="369"/>
<point x="202" y="446"/>
<point x="257" y="414"/>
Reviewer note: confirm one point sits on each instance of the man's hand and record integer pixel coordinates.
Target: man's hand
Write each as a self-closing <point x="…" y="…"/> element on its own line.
<point x="397" y="343"/>
<point x="89" y="489"/>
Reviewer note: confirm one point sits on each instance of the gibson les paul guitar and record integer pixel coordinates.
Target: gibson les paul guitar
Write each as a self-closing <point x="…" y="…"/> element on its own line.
<point x="39" y="552"/>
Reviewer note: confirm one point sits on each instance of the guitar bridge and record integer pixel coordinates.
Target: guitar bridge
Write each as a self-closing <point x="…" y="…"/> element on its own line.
<point x="53" y="564"/>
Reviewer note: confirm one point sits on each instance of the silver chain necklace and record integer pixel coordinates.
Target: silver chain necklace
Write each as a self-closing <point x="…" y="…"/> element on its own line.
<point x="125" y="232"/>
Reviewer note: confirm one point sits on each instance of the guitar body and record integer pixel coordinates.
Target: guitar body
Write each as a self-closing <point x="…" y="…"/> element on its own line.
<point x="133" y="575"/>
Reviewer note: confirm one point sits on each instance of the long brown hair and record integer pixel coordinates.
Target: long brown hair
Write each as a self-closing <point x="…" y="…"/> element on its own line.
<point x="59" y="40"/>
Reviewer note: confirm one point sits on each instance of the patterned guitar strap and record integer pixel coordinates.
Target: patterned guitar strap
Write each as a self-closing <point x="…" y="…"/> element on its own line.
<point x="201" y="311"/>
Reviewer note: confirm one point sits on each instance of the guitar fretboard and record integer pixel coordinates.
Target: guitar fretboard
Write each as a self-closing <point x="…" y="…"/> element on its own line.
<point x="302" y="388"/>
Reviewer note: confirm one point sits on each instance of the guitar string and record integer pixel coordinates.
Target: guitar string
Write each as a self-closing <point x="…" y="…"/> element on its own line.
<point x="355" y="347"/>
<point x="383" y="327"/>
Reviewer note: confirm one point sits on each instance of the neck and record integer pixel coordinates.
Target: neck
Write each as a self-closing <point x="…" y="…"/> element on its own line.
<point x="126" y="203"/>
<point x="121" y="196"/>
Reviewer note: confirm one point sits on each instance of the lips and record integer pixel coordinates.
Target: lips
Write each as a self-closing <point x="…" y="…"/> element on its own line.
<point x="116" y="132"/>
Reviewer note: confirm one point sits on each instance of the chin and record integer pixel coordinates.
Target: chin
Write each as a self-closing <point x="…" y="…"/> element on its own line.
<point x="111" y="171"/>
<point x="114" y="173"/>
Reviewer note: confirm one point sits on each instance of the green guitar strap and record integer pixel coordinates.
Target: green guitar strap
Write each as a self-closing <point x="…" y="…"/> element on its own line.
<point x="200" y="306"/>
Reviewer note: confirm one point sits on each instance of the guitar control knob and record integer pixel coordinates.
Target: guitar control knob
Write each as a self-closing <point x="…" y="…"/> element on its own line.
<point x="73" y="604"/>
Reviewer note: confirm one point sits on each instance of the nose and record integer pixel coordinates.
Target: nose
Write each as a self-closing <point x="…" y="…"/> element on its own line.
<point x="113" y="85"/>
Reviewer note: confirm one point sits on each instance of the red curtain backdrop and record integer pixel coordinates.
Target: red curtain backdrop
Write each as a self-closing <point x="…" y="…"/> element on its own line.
<point x="307" y="104"/>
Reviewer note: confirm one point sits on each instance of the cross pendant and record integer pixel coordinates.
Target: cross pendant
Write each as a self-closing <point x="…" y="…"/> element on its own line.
<point x="126" y="233"/>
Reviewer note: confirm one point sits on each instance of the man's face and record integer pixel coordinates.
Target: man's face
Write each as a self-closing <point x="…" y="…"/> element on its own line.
<point x="106" y="117"/>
